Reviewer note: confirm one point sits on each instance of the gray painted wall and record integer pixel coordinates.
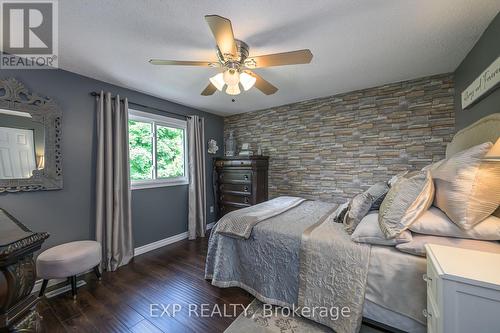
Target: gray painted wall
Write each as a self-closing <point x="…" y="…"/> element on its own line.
<point x="486" y="50"/>
<point x="68" y="214"/>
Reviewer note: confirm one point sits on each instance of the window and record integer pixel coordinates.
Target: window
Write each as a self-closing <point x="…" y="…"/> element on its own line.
<point x="157" y="150"/>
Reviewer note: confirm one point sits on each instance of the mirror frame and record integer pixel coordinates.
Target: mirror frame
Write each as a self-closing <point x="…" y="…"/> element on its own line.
<point x="43" y="110"/>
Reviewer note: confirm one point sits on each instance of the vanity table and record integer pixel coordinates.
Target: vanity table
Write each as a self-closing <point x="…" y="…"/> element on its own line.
<point x="17" y="274"/>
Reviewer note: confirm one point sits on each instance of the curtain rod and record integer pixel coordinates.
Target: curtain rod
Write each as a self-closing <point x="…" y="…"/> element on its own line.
<point x="94" y="93"/>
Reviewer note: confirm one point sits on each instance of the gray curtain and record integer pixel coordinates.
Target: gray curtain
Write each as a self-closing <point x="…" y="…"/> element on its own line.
<point x="113" y="205"/>
<point x="197" y="219"/>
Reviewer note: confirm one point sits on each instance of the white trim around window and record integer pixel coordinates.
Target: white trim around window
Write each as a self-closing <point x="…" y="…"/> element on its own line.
<point x="159" y="120"/>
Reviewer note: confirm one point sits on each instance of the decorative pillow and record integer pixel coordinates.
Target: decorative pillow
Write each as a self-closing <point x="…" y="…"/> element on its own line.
<point x="435" y="222"/>
<point x="368" y="231"/>
<point x="395" y="178"/>
<point x="378" y="191"/>
<point x="496" y="212"/>
<point x="358" y="208"/>
<point x="339" y="214"/>
<point x="467" y="188"/>
<point x="407" y="199"/>
<point x="417" y="245"/>
<point x="433" y="165"/>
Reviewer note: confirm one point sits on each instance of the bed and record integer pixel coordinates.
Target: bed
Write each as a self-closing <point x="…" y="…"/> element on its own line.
<point x="267" y="264"/>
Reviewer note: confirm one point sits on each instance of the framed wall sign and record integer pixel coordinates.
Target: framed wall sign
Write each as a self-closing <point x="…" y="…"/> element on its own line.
<point x="488" y="80"/>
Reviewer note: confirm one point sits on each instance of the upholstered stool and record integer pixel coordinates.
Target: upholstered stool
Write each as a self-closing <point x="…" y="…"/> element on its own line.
<point x="68" y="260"/>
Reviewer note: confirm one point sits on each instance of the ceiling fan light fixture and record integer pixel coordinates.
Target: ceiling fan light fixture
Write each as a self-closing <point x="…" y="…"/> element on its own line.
<point x="218" y="81"/>
<point x="231" y="77"/>
<point x="247" y="80"/>
<point x="234" y="63"/>
<point x="233" y="89"/>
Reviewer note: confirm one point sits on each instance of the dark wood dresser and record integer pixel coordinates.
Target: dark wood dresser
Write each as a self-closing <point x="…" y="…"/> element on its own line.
<point x="241" y="182"/>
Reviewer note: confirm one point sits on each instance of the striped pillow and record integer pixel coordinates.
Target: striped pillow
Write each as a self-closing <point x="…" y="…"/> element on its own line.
<point x="407" y="199"/>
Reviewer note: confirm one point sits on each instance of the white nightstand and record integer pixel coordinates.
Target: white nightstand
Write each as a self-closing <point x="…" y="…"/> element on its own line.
<point x="463" y="290"/>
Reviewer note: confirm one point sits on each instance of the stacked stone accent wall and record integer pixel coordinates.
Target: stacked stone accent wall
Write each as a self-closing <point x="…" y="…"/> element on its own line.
<point x="335" y="147"/>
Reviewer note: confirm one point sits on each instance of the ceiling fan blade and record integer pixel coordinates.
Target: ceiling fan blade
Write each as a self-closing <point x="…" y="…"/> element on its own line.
<point x="183" y="63"/>
<point x="209" y="90"/>
<point x="280" y="59"/>
<point x="223" y="32"/>
<point x="263" y="85"/>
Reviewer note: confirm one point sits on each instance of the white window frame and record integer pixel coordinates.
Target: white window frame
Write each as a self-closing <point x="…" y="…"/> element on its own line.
<point x="158" y="120"/>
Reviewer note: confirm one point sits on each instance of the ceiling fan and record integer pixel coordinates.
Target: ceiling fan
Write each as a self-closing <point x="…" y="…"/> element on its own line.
<point x="235" y="64"/>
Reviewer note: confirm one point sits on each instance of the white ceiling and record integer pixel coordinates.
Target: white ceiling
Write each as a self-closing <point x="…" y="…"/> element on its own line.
<point x="356" y="44"/>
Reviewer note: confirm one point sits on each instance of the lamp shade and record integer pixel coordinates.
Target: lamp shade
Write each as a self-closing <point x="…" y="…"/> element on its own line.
<point x="233" y="89"/>
<point x="231" y="77"/>
<point x="218" y="81"/>
<point x="247" y="80"/>
<point x="494" y="153"/>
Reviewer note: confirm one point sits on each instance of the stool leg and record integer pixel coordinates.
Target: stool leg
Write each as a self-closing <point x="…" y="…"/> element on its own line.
<point x="97" y="272"/>
<point x="44" y="286"/>
<point x="73" y="286"/>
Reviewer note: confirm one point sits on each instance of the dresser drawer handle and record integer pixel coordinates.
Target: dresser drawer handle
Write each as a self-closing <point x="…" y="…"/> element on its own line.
<point x="426" y="278"/>
<point x="246" y="200"/>
<point x="245" y="189"/>
<point x="426" y="313"/>
<point x="246" y="177"/>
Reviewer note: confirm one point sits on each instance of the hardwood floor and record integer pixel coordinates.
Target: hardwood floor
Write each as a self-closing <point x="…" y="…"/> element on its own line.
<point x="121" y="301"/>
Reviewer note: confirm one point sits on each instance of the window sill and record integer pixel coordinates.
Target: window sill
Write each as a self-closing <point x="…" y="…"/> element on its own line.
<point x="142" y="186"/>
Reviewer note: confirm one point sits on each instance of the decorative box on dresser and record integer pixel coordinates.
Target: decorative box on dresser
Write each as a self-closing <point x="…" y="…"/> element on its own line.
<point x="463" y="290"/>
<point x="241" y="181"/>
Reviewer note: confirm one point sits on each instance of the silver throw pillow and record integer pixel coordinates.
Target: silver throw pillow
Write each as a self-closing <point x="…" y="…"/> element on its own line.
<point x="407" y="199"/>
<point x="339" y="214"/>
<point x="378" y="192"/>
<point x="358" y="208"/>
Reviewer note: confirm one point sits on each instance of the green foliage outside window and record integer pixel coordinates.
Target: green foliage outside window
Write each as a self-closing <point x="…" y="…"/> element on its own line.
<point x="141" y="150"/>
<point x="169" y="151"/>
